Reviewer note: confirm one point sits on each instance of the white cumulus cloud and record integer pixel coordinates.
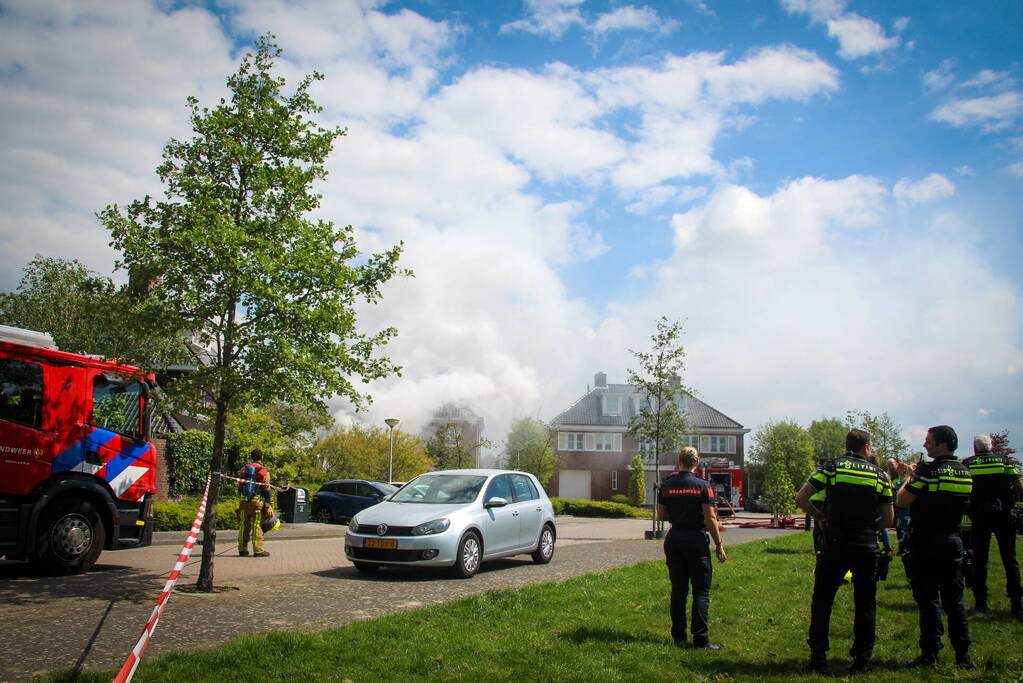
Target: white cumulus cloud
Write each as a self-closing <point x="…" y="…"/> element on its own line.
<point x="934" y="186"/>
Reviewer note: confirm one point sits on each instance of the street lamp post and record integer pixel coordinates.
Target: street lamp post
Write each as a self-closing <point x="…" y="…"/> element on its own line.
<point x="391" y="424"/>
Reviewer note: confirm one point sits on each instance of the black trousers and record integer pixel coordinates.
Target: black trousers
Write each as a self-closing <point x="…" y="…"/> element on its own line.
<point x="1005" y="535"/>
<point x="936" y="576"/>
<point x="840" y="556"/>
<point x="688" y="556"/>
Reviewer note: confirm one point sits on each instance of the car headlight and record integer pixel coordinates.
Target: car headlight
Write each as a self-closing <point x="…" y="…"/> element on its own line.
<point x="353" y="523"/>
<point x="436" y="526"/>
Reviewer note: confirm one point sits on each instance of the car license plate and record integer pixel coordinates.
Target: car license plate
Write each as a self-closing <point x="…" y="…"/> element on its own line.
<point x="386" y="543"/>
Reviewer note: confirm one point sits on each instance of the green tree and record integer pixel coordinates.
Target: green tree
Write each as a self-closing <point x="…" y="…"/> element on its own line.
<point x="85" y="312"/>
<point x="886" y="434"/>
<point x="269" y="293"/>
<point x="660" y="421"/>
<point x="448" y="450"/>
<point x="828" y="436"/>
<point x="785" y="451"/>
<point x="529" y="449"/>
<point x="637" y="482"/>
<point x="359" y="452"/>
<point x="285" y="433"/>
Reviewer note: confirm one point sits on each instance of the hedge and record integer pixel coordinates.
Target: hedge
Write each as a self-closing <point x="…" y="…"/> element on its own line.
<point x="189" y="455"/>
<point x="593" y="508"/>
<point x="179" y="515"/>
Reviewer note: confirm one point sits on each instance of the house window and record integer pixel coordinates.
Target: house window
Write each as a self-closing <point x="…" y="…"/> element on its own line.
<point x="612" y="405"/>
<point x="614" y="481"/>
<point x="719" y="444"/>
<point x="573" y="441"/>
<point x="603" y="442"/>
<point x="691" y="440"/>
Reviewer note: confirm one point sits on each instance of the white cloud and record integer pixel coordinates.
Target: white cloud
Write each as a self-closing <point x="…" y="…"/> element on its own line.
<point x="800" y="303"/>
<point x="934" y="186"/>
<point x="900" y="24"/>
<point x="548" y="17"/>
<point x="818" y="10"/>
<point x="986" y="78"/>
<point x="859" y="37"/>
<point x="940" y="78"/>
<point x="629" y="17"/>
<point x="1016" y="168"/>
<point x="991" y="113"/>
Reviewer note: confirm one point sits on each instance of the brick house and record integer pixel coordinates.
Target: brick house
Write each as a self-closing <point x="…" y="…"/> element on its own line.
<point x="594" y="447"/>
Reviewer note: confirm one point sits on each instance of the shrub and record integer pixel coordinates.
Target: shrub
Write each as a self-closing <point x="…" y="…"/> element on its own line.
<point x="620" y="499"/>
<point x="592" y="508"/>
<point x="189" y="455"/>
<point x="179" y="515"/>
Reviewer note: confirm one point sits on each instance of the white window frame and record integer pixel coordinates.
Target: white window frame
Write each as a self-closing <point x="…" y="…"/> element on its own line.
<point x="603" y="442"/>
<point x="614" y="480"/>
<point x="573" y="441"/>
<point x="604" y="400"/>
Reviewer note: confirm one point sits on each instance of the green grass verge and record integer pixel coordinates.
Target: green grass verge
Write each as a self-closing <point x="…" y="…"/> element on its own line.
<point x="611" y="626"/>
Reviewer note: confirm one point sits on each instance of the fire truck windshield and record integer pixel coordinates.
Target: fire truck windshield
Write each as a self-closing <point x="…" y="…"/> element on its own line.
<point x="117" y="404"/>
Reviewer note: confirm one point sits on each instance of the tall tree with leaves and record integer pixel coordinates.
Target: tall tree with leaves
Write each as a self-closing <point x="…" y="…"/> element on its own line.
<point x="828" y="436"/>
<point x="85" y="312"/>
<point x="885" y="434"/>
<point x="637" y="482"/>
<point x="269" y="292"/>
<point x="785" y="452"/>
<point x="1000" y="443"/>
<point x="661" y="420"/>
<point x="448" y="450"/>
<point x="530" y="449"/>
<point x="360" y="452"/>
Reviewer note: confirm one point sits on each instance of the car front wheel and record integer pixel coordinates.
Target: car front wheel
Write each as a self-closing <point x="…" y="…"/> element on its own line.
<point x="545" y="548"/>
<point x="470" y="553"/>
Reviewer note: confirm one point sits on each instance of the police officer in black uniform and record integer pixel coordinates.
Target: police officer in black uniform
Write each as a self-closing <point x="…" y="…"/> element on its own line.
<point x="851" y="498"/>
<point x="937" y="494"/>
<point x="688" y="503"/>
<point x="996" y="483"/>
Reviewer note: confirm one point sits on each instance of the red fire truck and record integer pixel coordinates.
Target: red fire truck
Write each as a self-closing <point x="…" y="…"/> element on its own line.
<point x="77" y="473"/>
<point x="725" y="478"/>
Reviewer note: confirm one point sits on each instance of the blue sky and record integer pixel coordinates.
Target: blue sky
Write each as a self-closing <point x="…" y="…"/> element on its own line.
<point x="828" y="192"/>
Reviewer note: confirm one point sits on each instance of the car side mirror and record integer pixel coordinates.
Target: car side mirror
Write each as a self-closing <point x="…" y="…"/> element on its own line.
<point x="495" y="502"/>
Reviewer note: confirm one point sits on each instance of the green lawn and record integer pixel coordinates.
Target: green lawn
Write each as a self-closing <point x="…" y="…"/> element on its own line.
<point x="611" y="626"/>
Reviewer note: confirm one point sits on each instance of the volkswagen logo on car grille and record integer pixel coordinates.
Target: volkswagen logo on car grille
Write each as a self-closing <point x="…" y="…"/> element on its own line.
<point x="381" y="530"/>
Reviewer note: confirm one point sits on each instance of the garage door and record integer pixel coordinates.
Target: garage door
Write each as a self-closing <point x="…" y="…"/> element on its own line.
<point x="574" y="484"/>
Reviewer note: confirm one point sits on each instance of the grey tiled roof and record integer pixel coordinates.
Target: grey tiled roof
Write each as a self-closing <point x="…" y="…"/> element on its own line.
<point x="587" y="411"/>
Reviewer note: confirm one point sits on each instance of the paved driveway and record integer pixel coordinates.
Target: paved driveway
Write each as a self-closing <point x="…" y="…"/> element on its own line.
<point x="306" y="584"/>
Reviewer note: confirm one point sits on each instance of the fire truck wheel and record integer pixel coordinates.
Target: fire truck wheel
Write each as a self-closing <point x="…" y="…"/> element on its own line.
<point x="71" y="537"/>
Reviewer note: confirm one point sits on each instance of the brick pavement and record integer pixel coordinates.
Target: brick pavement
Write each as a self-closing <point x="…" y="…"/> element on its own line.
<point x="306" y="584"/>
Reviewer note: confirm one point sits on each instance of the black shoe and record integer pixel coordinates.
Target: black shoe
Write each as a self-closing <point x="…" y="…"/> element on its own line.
<point x="963" y="661"/>
<point x="243" y="553"/>
<point x="1015" y="606"/>
<point x="818" y="664"/>
<point x="859" y="664"/>
<point x="262" y="554"/>
<point x="681" y="643"/>
<point x="922" y="661"/>
<point x="707" y="646"/>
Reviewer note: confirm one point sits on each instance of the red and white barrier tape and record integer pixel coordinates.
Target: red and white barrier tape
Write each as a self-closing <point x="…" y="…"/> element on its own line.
<point x="257" y="483"/>
<point x="132" y="662"/>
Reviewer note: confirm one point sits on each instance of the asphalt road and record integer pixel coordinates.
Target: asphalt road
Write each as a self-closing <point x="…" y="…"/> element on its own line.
<point x="93" y="620"/>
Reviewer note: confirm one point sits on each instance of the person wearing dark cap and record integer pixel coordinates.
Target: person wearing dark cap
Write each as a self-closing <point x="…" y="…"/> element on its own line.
<point x="996" y="484"/>
<point x="850" y="498"/>
<point x="688" y="503"/>
<point x="937" y="494"/>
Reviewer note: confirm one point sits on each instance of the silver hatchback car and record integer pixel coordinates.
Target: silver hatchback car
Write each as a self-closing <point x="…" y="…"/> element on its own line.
<point x="455" y="518"/>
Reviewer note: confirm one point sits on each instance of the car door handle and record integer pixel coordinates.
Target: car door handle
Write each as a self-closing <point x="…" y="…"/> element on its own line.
<point x="540" y="509"/>
<point x="515" y="513"/>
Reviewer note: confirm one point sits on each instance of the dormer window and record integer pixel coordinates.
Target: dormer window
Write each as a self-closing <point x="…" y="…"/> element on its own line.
<point x="612" y="404"/>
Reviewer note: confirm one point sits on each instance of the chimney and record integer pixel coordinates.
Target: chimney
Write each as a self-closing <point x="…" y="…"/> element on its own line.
<point x="600" y="380"/>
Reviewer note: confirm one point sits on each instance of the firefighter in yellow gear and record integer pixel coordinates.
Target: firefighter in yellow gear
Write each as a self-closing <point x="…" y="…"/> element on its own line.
<point x="255" y="494"/>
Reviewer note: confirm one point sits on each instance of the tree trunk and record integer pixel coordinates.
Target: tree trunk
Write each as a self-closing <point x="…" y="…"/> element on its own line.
<point x="209" y="525"/>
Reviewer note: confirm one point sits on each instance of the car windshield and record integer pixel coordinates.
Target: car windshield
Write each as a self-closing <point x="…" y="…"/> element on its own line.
<point x="441" y="488"/>
<point x="386" y="489"/>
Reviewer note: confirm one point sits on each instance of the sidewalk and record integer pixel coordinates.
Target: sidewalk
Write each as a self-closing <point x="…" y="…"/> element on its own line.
<point x="287" y="532"/>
